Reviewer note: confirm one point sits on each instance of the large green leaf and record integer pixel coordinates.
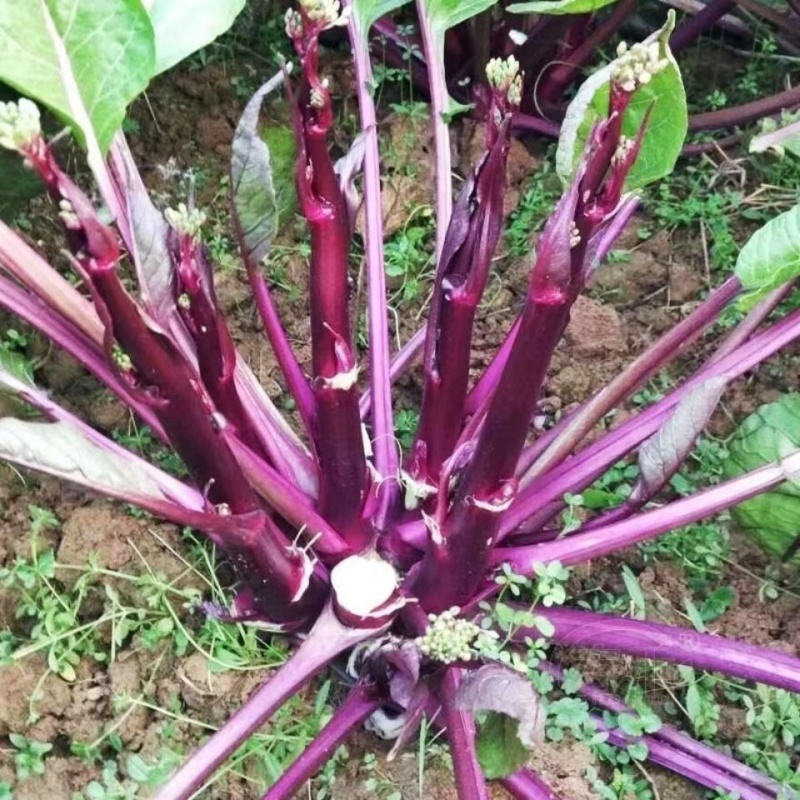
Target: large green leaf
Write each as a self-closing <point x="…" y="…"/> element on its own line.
<point x="771" y="256"/>
<point x="83" y="59"/>
<point x="184" y="26"/>
<point x="368" y="12"/>
<point x="559" y="6"/>
<point x="768" y="435"/>
<point x="664" y="97"/>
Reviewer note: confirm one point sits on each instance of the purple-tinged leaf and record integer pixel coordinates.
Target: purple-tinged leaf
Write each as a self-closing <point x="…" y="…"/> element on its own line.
<point x="504" y="691"/>
<point x="61" y="449"/>
<point x="498" y="747"/>
<point x="253" y="190"/>
<point x="147" y="236"/>
<point x="662" y="455"/>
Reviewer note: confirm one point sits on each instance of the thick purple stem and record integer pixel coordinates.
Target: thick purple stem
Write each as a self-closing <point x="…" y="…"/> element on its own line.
<point x="608" y="539"/>
<point x="525" y="785"/>
<point x="748" y="112"/>
<point x="470" y="783"/>
<point x="327" y="639"/>
<point x="653" y="640"/>
<point x="360" y="703"/>
<point x="692" y="28"/>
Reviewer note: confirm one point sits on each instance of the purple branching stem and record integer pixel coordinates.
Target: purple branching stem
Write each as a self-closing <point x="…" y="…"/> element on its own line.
<point x="532" y="124"/>
<point x="607" y="539"/>
<point x="403" y="361"/>
<point x="555" y="81"/>
<point x="292" y="504"/>
<point x="385" y="451"/>
<point x="654" y="640"/>
<point x="692" y="28"/>
<point x="470" y="783"/>
<point x="582" y="469"/>
<point x="360" y="703"/>
<point x="683" y="763"/>
<point x="441" y="131"/>
<point x="750" y="324"/>
<point x="525" y="785"/>
<point x="475" y="228"/>
<point x="30" y="269"/>
<point x="326" y="640"/>
<point x="671" y="736"/>
<point x="748" y="112"/>
<point x="340" y="449"/>
<point x="73" y="341"/>
<point x="666" y="349"/>
<point x="296" y="381"/>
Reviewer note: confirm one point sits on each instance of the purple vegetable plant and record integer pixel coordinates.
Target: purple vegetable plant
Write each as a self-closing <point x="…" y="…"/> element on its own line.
<point x="337" y="539"/>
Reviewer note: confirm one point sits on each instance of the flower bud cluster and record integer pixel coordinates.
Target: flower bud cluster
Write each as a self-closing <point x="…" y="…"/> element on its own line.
<point x="184" y="221"/>
<point x="636" y="66"/>
<point x="504" y="76"/>
<point x="449" y="638"/>
<point x="20" y="124"/>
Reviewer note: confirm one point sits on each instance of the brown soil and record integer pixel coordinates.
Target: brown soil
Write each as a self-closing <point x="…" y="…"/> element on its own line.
<point x="193" y="115"/>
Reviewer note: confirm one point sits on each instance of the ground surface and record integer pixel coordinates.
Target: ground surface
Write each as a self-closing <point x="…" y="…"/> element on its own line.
<point x="144" y="673"/>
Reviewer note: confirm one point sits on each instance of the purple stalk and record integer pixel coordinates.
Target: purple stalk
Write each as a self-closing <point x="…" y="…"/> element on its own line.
<point x="582" y="469"/>
<point x="30" y="269"/>
<point x="292" y="504"/>
<point x="555" y="81"/>
<point x="525" y="785"/>
<point x="684" y="764"/>
<point x="387" y="462"/>
<point x="662" y="352"/>
<point x="672" y="737"/>
<point x="403" y="361"/>
<point x="74" y="342"/>
<point x="360" y="703"/>
<point x="327" y="639"/>
<point x="340" y="447"/>
<point x="437" y="81"/>
<point x="748" y="112"/>
<point x="691" y="29"/>
<point x="603" y="541"/>
<point x="470" y="782"/>
<point x="472" y="236"/>
<point x="653" y="640"/>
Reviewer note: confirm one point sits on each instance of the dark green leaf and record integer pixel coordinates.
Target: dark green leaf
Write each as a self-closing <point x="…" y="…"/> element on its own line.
<point x="771" y="256"/>
<point x="499" y="749"/>
<point x="768" y="435"/>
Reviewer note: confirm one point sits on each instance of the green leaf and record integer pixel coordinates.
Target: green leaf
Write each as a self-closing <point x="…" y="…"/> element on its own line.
<point x="771" y="256"/>
<point x="181" y="28"/>
<point x="770" y="434"/>
<point x="666" y="129"/>
<point x="83" y="59"/>
<point x="559" y="6"/>
<point x="368" y="12"/>
<point x="254" y="201"/>
<point x="498" y="747"/>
